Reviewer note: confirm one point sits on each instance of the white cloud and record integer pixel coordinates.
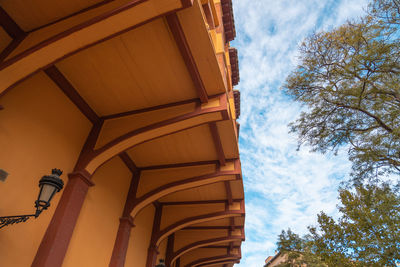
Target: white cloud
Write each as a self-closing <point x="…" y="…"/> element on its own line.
<point x="284" y="187"/>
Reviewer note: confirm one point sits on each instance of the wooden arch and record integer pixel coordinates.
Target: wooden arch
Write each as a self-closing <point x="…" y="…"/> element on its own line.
<point x="93" y="26"/>
<point x="219" y="175"/>
<point x="203" y="243"/>
<point x="214" y="260"/>
<point x="92" y="157"/>
<point x="161" y="235"/>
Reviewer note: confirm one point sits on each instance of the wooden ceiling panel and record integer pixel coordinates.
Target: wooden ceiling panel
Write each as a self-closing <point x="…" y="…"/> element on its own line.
<point x="239" y="220"/>
<point x="172" y="214"/>
<point x="191" y="145"/>
<point x="31" y="14"/>
<point x="114" y="128"/>
<point x="228" y="139"/>
<point x="187" y="237"/>
<point x="138" y="69"/>
<point x="204" y="253"/>
<point x="194" y="26"/>
<point x="214" y="191"/>
<point x="220" y="222"/>
<point x="150" y="180"/>
<point x="237" y="189"/>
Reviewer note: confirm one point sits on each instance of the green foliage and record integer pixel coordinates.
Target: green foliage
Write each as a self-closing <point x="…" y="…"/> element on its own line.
<point x="366" y="234"/>
<point x="349" y="80"/>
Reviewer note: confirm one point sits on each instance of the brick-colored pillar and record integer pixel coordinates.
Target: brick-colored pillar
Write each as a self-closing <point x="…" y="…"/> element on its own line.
<point x="121" y="242"/>
<point x="55" y="242"/>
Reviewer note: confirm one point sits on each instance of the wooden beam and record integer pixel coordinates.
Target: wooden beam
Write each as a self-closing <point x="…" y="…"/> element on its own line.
<point x="198" y="202"/>
<point x="129" y="139"/>
<point x="13" y="30"/>
<point x="196" y="219"/>
<point x="206" y="228"/>
<point x="202" y="244"/>
<point x="60" y="39"/>
<point x="215" y="246"/>
<point x="10" y="26"/>
<point x="217" y="142"/>
<point x="170" y="249"/>
<point x="180" y="39"/>
<point x="187" y="3"/>
<point x="129" y="162"/>
<point x="216" y="259"/>
<point x="228" y="191"/>
<point x="10" y="48"/>
<point x="180" y="165"/>
<point x="94" y="6"/>
<point x="232" y="224"/>
<point x="58" y="78"/>
<point x="138" y="111"/>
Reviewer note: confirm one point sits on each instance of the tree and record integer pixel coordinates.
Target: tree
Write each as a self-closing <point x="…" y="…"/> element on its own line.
<point x="366" y="234"/>
<point x="349" y="80"/>
<point x="297" y="251"/>
<point x="387" y="11"/>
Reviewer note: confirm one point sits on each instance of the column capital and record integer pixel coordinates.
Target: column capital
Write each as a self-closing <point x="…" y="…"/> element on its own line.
<point x="154" y="248"/>
<point x="127" y="219"/>
<point x="82" y="175"/>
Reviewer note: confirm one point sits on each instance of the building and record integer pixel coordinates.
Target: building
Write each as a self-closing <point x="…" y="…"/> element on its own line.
<point x="134" y="101"/>
<point x="275" y="260"/>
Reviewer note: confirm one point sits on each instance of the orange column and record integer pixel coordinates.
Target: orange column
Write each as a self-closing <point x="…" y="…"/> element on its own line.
<point x="55" y="242"/>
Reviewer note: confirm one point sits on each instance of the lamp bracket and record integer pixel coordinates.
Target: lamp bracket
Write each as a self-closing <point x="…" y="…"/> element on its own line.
<point x="8" y="220"/>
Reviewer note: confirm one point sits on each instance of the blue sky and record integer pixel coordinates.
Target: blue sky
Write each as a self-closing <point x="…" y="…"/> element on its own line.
<point x="284" y="187"/>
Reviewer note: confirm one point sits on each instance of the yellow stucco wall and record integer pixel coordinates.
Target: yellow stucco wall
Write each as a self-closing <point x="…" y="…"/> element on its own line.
<point x="140" y="238"/>
<point x="94" y="235"/>
<point x="40" y="129"/>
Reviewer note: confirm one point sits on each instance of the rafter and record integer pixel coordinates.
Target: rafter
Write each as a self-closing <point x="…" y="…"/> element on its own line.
<point x="217" y="142"/>
<point x="183" y="184"/>
<point x="180" y="39"/>
<point x="203" y="243"/>
<point x="68" y="89"/>
<point x="42" y="54"/>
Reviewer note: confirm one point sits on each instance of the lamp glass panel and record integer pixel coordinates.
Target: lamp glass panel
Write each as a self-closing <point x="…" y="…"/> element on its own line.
<point x="46" y="192"/>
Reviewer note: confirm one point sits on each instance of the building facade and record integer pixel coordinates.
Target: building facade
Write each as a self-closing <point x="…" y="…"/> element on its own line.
<point x="134" y="101"/>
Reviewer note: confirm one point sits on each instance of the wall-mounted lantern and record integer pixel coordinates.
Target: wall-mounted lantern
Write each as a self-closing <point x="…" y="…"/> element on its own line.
<point x="161" y="264"/>
<point x="49" y="185"/>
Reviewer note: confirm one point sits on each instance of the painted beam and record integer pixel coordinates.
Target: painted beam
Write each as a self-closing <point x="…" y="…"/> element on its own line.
<point x="203" y="243"/>
<point x="217" y="142"/>
<point x="213" y="260"/>
<point x="68" y="89"/>
<point x="95" y="29"/>
<point x="194" y="220"/>
<point x="10" y="26"/>
<point x="183" y="184"/>
<point x="203" y="114"/>
<point x="180" y="39"/>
